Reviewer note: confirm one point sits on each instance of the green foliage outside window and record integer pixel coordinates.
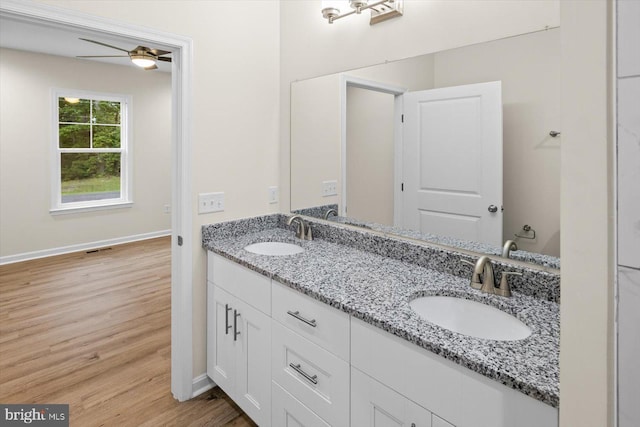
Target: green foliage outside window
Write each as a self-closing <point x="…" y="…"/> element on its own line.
<point x="88" y="124"/>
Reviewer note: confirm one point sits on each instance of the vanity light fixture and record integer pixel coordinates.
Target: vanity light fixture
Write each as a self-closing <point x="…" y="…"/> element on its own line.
<point x="380" y="10"/>
<point x="71" y="100"/>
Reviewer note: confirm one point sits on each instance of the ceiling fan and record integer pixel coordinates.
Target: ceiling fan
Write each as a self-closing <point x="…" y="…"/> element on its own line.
<point x="141" y="56"/>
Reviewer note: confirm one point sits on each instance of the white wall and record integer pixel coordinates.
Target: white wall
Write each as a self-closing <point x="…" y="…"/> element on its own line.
<point x="235" y="109"/>
<point x="315" y="119"/>
<point x="26" y="80"/>
<point x="587" y="216"/>
<point x="370" y="155"/>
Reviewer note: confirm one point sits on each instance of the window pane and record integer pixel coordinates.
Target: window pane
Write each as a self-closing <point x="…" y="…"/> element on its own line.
<point x="75" y="136"/>
<point x="87" y="176"/>
<point x="73" y="110"/>
<point x="106" y="137"/>
<point x="106" y="112"/>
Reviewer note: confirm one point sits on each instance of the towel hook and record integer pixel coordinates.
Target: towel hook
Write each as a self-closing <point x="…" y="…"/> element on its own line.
<point x="554" y="133"/>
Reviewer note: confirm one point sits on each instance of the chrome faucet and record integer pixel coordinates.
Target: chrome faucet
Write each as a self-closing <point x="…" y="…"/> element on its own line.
<point x="509" y="246"/>
<point x="303" y="230"/>
<point x="329" y="212"/>
<point x="483" y="278"/>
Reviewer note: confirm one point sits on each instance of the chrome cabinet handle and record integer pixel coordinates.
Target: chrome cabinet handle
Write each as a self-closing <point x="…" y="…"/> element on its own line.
<point x="227" y="326"/>
<point x="298" y="369"/>
<point x="296" y="314"/>
<point x="236" y="332"/>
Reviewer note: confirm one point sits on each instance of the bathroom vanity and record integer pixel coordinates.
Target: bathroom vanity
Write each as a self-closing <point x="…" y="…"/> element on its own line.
<point x="327" y="337"/>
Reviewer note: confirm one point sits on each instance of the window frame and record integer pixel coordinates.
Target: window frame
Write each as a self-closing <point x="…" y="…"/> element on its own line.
<point x="126" y="154"/>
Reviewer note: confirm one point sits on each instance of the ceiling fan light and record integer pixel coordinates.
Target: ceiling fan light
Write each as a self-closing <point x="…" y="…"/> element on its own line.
<point x="143" y="61"/>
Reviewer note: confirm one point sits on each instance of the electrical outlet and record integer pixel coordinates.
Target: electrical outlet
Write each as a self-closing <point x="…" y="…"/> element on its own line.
<point x="167" y="209"/>
<point x="329" y="188"/>
<point x="273" y="195"/>
<point x="210" y="202"/>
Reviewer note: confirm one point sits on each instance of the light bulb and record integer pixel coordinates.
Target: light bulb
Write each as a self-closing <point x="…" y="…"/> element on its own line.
<point x="143" y="61"/>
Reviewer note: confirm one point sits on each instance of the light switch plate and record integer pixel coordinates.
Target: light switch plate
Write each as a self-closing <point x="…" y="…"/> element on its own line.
<point x="273" y="195"/>
<point x="210" y="202"/>
<point x="329" y="188"/>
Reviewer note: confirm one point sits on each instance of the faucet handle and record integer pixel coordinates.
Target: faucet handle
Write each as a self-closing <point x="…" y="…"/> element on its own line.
<point x="476" y="280"/>
<point x="505" y="289"/>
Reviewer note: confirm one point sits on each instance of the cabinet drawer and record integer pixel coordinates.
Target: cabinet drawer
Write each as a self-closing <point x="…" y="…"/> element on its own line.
<point x="251" y="287"/>
<point x="314" y="376"/>
<point x="287" y="411"/>
<point x="314" y="320"/>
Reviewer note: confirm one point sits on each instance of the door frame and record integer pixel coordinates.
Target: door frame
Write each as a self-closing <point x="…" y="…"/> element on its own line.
<point x="181" y="126"/>
<point x="346" y="81"/>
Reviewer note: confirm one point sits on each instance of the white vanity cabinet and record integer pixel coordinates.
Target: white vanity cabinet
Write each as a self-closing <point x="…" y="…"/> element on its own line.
<point x="449" y="391"/>
<point x="290" y="360"/>
<point x="239" y="336"/>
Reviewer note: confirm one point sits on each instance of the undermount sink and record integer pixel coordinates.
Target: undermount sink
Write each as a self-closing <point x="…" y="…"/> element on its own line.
<point x="470" y="318"/>
<point x="274" y="248"/>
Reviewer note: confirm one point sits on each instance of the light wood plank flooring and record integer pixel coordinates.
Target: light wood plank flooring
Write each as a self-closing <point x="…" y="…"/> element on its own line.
<point x="93" y="330"/>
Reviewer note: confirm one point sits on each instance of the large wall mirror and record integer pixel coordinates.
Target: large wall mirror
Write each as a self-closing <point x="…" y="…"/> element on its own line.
<point x="352" y="160"/>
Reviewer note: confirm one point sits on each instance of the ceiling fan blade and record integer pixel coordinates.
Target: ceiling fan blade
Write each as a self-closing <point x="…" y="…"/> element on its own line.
<point x="159" y="52"/>
<point x="153" y="67"/>
<point x="104" y="44"/>
<point x="161" y="58"/>
<point x="102" y="56"/>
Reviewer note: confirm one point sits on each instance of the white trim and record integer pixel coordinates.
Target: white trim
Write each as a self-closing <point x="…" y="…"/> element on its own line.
<point x="181" y="120"/>
<point x="201" y="383"/>
<point x="106" y="204"/>
<point x="10" y="259"/>
<point x="346" y="81"/>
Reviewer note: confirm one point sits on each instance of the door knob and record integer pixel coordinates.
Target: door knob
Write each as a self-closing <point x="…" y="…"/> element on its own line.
<point x="492" y="208"/>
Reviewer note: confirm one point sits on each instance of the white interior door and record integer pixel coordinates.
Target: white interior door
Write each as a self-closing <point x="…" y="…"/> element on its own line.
<point x="452" y="162"/>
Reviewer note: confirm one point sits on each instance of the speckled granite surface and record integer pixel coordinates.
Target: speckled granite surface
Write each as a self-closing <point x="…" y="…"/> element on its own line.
<point x="532" y="257"/>
<point x="377" y="289"/>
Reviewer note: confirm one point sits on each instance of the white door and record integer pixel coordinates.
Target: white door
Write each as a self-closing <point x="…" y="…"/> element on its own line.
<point x="452" y="162"/>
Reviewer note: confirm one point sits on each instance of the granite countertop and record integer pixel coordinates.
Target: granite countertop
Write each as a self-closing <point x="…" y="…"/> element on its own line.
<point x="377" y="289"/>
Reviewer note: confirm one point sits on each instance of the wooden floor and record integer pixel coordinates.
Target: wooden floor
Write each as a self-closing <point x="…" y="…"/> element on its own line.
<point x="93" y="330"/>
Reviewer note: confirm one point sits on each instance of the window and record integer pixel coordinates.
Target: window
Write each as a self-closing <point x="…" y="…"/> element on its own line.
<point x="92" y="160"/>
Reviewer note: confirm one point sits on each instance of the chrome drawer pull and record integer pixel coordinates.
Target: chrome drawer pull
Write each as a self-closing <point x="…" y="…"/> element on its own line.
<point x="227" y="326"/>
<point x="236" y="332"/>
<point x="298" y="369"/>
<point x="296" y="314"/>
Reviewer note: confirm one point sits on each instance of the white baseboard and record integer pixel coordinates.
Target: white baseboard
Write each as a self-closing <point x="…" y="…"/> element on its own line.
<point x="9" y="259"/>
<point x="201" y="384"/>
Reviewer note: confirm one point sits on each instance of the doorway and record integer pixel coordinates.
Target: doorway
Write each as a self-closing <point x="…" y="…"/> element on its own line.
<point x="181" y="233"/>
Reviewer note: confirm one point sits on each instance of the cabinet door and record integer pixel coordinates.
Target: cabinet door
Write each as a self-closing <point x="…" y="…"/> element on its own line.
<point x="375" y="405"/>
<point x="436" y="421"/>
<point x="253" y="369"/>
<point x="289" y="412"/>
<point x="223" y="350"/>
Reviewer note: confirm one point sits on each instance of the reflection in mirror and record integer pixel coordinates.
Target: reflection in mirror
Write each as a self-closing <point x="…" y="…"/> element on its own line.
<point x="367" y="172"/>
